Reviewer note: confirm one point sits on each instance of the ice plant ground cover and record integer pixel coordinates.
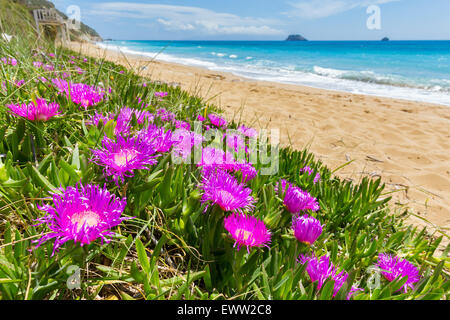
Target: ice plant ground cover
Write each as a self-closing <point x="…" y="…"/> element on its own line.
<point x="96" y="189"/>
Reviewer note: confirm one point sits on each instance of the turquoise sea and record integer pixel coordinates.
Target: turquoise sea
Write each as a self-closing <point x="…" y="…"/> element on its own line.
<point x="413" y="70"/>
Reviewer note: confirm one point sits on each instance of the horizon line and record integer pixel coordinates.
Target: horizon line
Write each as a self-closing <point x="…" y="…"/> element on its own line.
<point x="390" y="40"/>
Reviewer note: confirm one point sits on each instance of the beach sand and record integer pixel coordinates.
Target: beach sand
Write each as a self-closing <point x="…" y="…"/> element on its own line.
<point x="405" y="143"/>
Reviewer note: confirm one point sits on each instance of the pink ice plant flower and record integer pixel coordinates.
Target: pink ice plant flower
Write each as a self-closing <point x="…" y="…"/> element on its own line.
<point x="297" y="200"/>
<point x="157" y="138"/>
<point x="124" y="117"/>
<point x="81" y="214"/>
<point x="164" y="115"/>
<point x="393" y="267"/>
<point x="222" y="189"/>
<point x="80" y="93"/>
<point x="126" y="114"/>
<point x="322" y="269"/>
<point x="248" y="132"/>
<point x="37" y="64"/>
<point x="306" y="229"/>
<point x="48" y="67"/>
<point x="185" y="140"/>
<point x="310" y="171"/>
<point x="213" y="158"/>
<point x="19" y="83"/>
<point x="247" y="170"/>
<point x="247" y="231"/>
<point x="235" y="141"/>
<point x="161" y="94"/>
<point x="182" y="124"/>
<point x="217" y="121"/>
<point x="120" y="158"/>
<point x="40" y="110"/>
<point x="121" y="127"/>
<point x="9" y="61"/>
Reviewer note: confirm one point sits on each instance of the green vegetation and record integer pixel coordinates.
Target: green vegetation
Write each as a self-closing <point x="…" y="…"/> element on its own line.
<point x="171" y="249"/>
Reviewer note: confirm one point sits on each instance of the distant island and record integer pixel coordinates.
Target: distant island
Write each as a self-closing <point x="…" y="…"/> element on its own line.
<point x="296" y="37"/>
<point x="385" y="39"/>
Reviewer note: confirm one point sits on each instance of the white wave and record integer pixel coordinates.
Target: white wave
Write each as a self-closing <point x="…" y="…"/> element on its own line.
<point x="338" y="84"/>
<point x="362" y="82"/>
<point x="233" y="56"/>
<point x="334" y="73"/>
<point x="159" y="56"/>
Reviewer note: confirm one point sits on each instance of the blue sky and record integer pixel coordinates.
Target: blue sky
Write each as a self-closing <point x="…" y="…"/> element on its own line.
<point x="264" y="19"/>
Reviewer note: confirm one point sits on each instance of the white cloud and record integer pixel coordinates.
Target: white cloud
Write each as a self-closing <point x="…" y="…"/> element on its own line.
<point x="174" y="25"/>
<point x="314" y="9"/>
<point x="187" y="18"/>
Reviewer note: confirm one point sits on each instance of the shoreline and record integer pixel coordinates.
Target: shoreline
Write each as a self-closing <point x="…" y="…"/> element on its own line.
<point x="404" y="142"/>
<point x="319" y="78"/>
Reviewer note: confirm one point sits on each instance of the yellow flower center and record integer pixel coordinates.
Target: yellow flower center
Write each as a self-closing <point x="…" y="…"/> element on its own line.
<point x="244" y="233"/>
<point x="41" y="117"/>
<point x="88" y="217"/>
<point x="123" y="157"/>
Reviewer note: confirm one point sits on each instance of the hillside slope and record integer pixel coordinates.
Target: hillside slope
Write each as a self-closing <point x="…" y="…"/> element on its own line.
<point x="22" y="11"/>
<point x="13" y="15"/>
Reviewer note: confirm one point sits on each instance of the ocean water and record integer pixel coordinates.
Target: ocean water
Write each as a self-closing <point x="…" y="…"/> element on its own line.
<point x="412" y="70"/>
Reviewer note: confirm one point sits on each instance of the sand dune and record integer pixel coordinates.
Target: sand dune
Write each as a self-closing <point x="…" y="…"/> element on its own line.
<point x="406" y="143"/>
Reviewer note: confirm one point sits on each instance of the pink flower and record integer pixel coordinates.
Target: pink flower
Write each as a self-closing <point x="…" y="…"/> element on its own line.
<point x="296" y="199"/>
<point x="306" y="229"/>
<point x="247" y="231"/>
<point x="120" y="158"/>
<point x="182" y="124"/>
<point x="82" y="214"/>
<point x="157" y="138"/>
<point x="217" y="121"/>
<point x="165" y="115"/>
<point x="35" y="111"/>
<point x="248" y="132"/>
<point x="19" y="83"/>
<point x="9" y="61"/>
<point x="310" y="171"/>
<point x="322" y="269"/>
<point x="220" y="188"/>
<point x="235" y="141"/>
<point x="161" y="94"/>
<point x="393" y="267"/>
<point x="80" y="93"/>
<point x="48" y="67"/>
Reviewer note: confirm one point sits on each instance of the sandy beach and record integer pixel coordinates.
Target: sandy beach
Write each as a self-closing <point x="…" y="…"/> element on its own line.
<point x="405" y="143"/>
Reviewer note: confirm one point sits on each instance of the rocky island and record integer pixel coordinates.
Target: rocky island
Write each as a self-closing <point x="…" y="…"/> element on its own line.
<point x="295" y="37"/>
